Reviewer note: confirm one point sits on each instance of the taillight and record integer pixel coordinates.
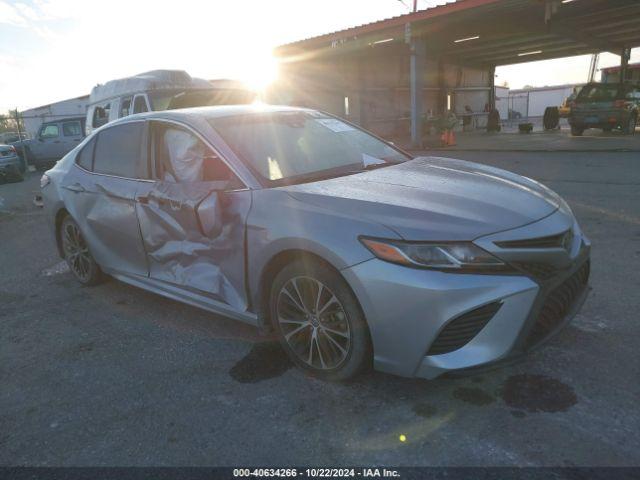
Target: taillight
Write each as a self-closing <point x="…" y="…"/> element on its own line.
<point x="44" y="180"/>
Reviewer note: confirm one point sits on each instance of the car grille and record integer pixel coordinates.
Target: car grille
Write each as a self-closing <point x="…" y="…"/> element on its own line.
<point x="551" y="241"/>
<point x="558" y="304"/>
<point x="459" y="331"/>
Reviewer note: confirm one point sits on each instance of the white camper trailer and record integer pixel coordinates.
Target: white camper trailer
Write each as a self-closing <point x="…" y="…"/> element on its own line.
<point x="159" y="90"/>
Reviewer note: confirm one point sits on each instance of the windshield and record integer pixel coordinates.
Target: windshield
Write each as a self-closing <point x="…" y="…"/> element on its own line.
<point x="292" y="147"/>
<point x="602" y="92"/>
<point x="173" y="99"/>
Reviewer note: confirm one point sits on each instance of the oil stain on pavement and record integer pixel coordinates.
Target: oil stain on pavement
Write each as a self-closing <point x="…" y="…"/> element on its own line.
<point x="424" y="410"/>
<point x="538" y="393"/>
<point x="474" y="396"/>
<point x="265" y="360"/>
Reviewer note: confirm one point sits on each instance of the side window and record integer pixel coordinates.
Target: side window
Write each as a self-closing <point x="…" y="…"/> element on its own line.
<point x="139" y="104"/>
<point x="100" y="115"/>
<point x="49" y="131"/>
<point x="71" y="129"/>
<point x="125" y="107"/>
<point x="119" y="151"/>
<point x="180" y="156"/>
<point x="85" y="156"/>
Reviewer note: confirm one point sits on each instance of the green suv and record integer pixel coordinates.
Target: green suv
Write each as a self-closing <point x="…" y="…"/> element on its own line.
<point x="606" y="106"/>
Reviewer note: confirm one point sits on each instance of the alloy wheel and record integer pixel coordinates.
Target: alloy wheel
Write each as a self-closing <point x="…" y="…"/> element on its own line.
<point x="313" y="323"/>
<point x="76" y="252"/>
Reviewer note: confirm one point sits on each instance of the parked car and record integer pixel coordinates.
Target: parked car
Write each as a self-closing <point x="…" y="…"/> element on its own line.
<point x="606" y="106"/>
<point x="159" y="90"/>
<point x="53" y="141"/>
<point x="10" y="164"/>
<point x="352" y="251"/>
<point x="7" y="138"/>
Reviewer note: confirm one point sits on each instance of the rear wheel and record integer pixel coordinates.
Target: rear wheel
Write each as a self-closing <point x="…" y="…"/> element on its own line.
<point x="576" y="131"/>
<point x="76" y="253"/>
<point x="319" y="322"/>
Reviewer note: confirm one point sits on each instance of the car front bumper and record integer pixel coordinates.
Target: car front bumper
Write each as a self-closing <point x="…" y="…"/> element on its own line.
<point x="408" y="310"/>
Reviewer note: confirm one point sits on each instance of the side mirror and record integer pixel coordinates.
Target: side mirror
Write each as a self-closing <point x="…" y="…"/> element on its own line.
<point x="209" y="213"/>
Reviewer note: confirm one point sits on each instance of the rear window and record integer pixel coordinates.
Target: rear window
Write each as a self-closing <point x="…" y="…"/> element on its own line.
<point x="85" y="157"/>
<point x="119" y="151"/>
<point x="600" y="93"/>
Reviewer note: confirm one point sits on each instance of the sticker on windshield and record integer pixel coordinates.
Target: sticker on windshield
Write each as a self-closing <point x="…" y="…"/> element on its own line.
<point x="335" y="125"/>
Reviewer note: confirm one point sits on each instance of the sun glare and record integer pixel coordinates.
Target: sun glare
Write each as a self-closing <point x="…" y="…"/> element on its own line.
<point x="260" y="71"/>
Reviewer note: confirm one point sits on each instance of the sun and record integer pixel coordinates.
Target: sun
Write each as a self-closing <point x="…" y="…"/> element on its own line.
<point x="259" y="71"/>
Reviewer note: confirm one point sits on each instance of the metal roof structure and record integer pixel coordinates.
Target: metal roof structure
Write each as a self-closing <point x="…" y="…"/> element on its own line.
<point x="631" y="66"/>
<point x="496" y="32"/>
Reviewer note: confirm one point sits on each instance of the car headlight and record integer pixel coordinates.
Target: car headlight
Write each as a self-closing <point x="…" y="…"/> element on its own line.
<point x="455" y="256"/>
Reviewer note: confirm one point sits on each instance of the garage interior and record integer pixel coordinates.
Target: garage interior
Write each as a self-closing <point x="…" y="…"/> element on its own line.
<point x="395" y="75"/>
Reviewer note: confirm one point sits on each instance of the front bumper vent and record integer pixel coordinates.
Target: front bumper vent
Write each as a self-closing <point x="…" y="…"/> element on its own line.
<point x="557" y="305"/>
<point x="461" y="330"/>
<point x="537" y="270"/>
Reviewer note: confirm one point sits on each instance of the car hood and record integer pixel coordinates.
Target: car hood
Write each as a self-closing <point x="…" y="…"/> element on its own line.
<point x="431" y="198"/>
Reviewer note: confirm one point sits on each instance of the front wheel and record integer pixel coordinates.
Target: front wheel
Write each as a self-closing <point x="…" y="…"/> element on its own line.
<point x="576" y="131"/>
<point x="76" y="253"/>
<point x="319" y="322"/>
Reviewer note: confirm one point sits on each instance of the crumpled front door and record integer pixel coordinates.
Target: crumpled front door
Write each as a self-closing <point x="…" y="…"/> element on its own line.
<point x="193" y="234"/>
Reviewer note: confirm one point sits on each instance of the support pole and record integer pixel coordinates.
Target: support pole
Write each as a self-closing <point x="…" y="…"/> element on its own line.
<point x="24" y="151"/>
<point x="417" y="67"/>
<point x="624" y="63"/>
<point x="492" y="88"/>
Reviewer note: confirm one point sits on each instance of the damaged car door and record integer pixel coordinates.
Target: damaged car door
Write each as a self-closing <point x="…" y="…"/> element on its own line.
<point x="192" y="218"/>
<point x="100" y="196"/>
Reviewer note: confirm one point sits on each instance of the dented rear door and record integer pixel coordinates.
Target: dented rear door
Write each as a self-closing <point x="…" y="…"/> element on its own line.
<point x="100" y="195"/>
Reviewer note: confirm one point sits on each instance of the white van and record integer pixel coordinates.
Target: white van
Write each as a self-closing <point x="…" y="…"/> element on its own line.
<point x="159" y="90"/>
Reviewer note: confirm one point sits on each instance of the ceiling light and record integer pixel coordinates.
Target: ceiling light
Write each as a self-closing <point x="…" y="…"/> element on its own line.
<point x="534" y="52"/>
<point x="460" y="40"/>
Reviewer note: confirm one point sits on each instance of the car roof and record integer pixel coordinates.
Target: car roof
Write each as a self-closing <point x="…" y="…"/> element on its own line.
<point x="216" y="111"/>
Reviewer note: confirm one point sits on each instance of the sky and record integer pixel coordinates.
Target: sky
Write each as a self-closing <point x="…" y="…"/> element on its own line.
<point x="51" y="50"/>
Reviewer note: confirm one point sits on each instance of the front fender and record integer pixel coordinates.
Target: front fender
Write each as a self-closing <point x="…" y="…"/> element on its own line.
<point x="278" y="223"/>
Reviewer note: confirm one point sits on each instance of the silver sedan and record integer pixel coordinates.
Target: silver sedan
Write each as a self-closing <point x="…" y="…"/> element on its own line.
<point x="354" y="253"/>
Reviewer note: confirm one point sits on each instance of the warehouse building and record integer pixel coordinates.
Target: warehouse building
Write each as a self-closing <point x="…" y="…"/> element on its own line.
<point x="34" y="117"/>
<point x="398" y="75"/>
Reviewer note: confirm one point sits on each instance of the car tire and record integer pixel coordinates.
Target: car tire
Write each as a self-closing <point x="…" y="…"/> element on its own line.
<point x="77" y="255"/>
<point x="325" y="335"/>
<point x="576" y="131"/>
<point x="631" y="125"/>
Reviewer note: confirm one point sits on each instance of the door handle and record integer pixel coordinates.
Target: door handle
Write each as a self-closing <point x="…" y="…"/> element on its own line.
<point x="56" y="141"/>
<point x="75" y="188"/>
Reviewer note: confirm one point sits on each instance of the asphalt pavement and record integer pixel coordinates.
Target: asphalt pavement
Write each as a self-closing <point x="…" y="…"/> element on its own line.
<point x="113" y="375"/>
